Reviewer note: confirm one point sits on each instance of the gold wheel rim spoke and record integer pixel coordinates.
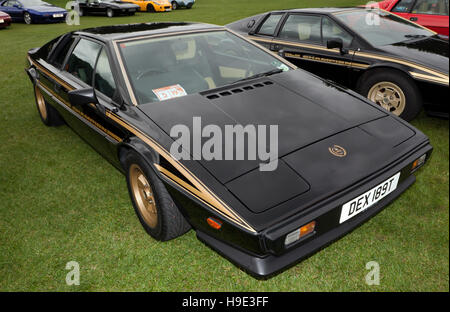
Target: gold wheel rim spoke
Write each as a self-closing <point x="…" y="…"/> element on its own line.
<point x="389" y="96"/>
<point x="143" y="196"/>
<point x="41" y="103"/>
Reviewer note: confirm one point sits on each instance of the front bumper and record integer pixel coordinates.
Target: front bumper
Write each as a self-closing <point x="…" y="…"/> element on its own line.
<point x="6" y="22"/>
<point x="48" y="18"/>
<point x="328" y="229"/>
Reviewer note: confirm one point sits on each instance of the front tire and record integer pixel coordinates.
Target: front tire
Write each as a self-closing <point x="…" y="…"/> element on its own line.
<point x="49" y="115"/>
<point x="393" y="91"/>
<point x="27" y="18"/>
<point x="174" y="5"/>
<point x="150" y="8"/>
<point x="109" y="13"/>
<point x="153" y="205"/>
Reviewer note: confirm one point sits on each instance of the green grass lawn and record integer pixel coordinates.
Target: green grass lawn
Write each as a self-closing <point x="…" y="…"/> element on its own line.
<point x="60" y="201"/>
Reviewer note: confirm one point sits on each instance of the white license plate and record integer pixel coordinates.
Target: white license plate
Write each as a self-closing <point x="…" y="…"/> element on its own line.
<point x="58" y="15"/>
<point x="1" y="21"/>
<point x="369" y="198"/>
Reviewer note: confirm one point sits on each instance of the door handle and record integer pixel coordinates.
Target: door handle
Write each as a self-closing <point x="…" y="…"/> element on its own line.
<point x="413" y="19"/>
<point x="275" y="47"/>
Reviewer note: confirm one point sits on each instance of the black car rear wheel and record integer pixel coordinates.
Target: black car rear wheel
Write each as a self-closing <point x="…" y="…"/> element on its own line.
<point x="393" y="91"/>
<point x="152" y="202"/>
<point x="27" y="18"/>
<point x="48" y="114"/>
<point x="174" y="5"/>
<point x="110" y="12"/>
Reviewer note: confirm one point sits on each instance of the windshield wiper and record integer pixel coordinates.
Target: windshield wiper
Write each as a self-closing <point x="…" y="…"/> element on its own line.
<point x="265" y="74"/>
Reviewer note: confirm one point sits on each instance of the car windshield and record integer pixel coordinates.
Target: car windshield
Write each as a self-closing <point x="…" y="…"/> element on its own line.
<point x="177" y="65"/>
<point x="29" y="3"/>
<point x="381" y="28"/>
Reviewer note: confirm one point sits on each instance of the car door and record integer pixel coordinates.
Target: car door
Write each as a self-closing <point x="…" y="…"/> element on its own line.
<point x="265" y="31"/>
<point x="432" y="14"/>
<point x="303" y="39"/>
<point x="87" y="66"/>
<point x="83" y="5"/>
<point x="93" y="6"/>
<point x="13" y="8"/>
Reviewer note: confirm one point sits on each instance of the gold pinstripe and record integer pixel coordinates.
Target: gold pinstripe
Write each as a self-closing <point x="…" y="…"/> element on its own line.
<point x="433" y="75"/>
<point x="203" y="192"/>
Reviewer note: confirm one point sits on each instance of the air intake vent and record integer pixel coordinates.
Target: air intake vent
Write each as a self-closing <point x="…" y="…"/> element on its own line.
<point x="222" y="93"/>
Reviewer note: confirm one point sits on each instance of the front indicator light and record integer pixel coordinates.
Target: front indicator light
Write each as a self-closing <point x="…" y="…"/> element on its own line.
<point x="418" y="162"/>
<point x="214" y="223"/>
<point x="299" y="233"/>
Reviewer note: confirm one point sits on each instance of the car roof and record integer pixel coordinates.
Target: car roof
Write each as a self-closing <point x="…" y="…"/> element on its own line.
<point x="125" y="31"/>
<point x="328" y="10"/>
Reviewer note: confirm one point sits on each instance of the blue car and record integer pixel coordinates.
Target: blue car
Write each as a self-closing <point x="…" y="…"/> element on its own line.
<point x="176" y="4"/>
<point x="33" y="11"/>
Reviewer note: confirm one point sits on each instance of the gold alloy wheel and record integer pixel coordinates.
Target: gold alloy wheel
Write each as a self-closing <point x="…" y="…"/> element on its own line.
<point x="389" y="96"/>
<point x="143" y="196"/>
<point x="41" y="103"/>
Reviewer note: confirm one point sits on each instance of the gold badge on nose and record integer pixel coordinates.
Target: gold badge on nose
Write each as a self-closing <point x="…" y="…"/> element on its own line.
<point x="337" y="151"/>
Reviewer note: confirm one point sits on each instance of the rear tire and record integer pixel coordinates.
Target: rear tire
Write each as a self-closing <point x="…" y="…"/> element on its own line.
<point x="174" y="5"/>
<point x="392" y="90"/>
<point x="150" y="8"/>
<point x="49" y="115"/>
<point x="27" y="18"/>
<point x="109" y="13"/>
<point x="153" y="205"/>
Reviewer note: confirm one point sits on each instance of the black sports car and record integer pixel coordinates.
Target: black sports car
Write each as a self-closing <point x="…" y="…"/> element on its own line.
<point x="109" y="7"/>
<point x="397" y="64"/>
<point x="339" y="158"/>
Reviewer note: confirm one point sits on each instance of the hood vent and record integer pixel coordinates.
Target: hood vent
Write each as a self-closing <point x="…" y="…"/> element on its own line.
<point x="224" y="92"/>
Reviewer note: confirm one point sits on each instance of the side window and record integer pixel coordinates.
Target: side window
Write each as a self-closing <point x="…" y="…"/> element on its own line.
<point x="82" y="60"/>
<point x="60" y="53"/>
<point x="433" y="7"/>
<point x="332" y="30"/>
<point x="269" y="25"/>
<point x="104" y="80"/>
<point x="11" y="3"/>
<point x="403" y="6"/>
<point x="302" y="27"/>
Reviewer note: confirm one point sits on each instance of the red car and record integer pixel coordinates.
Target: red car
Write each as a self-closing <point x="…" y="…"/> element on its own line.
<point x="5" y="20"/>
<point x="432" y="14"/>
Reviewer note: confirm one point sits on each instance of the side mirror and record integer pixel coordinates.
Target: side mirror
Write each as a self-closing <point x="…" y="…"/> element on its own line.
<point x="281" y="53"/>
<point x="336" y="43"/>
<point x="82" y="97"/>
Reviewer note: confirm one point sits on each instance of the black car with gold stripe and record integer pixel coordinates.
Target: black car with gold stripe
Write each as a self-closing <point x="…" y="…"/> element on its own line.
<point x="397" y="64"/>
<point x="126" y="89"/>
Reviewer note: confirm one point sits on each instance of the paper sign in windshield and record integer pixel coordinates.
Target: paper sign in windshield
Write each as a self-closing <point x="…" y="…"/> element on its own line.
<point x="169" y="92"/>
